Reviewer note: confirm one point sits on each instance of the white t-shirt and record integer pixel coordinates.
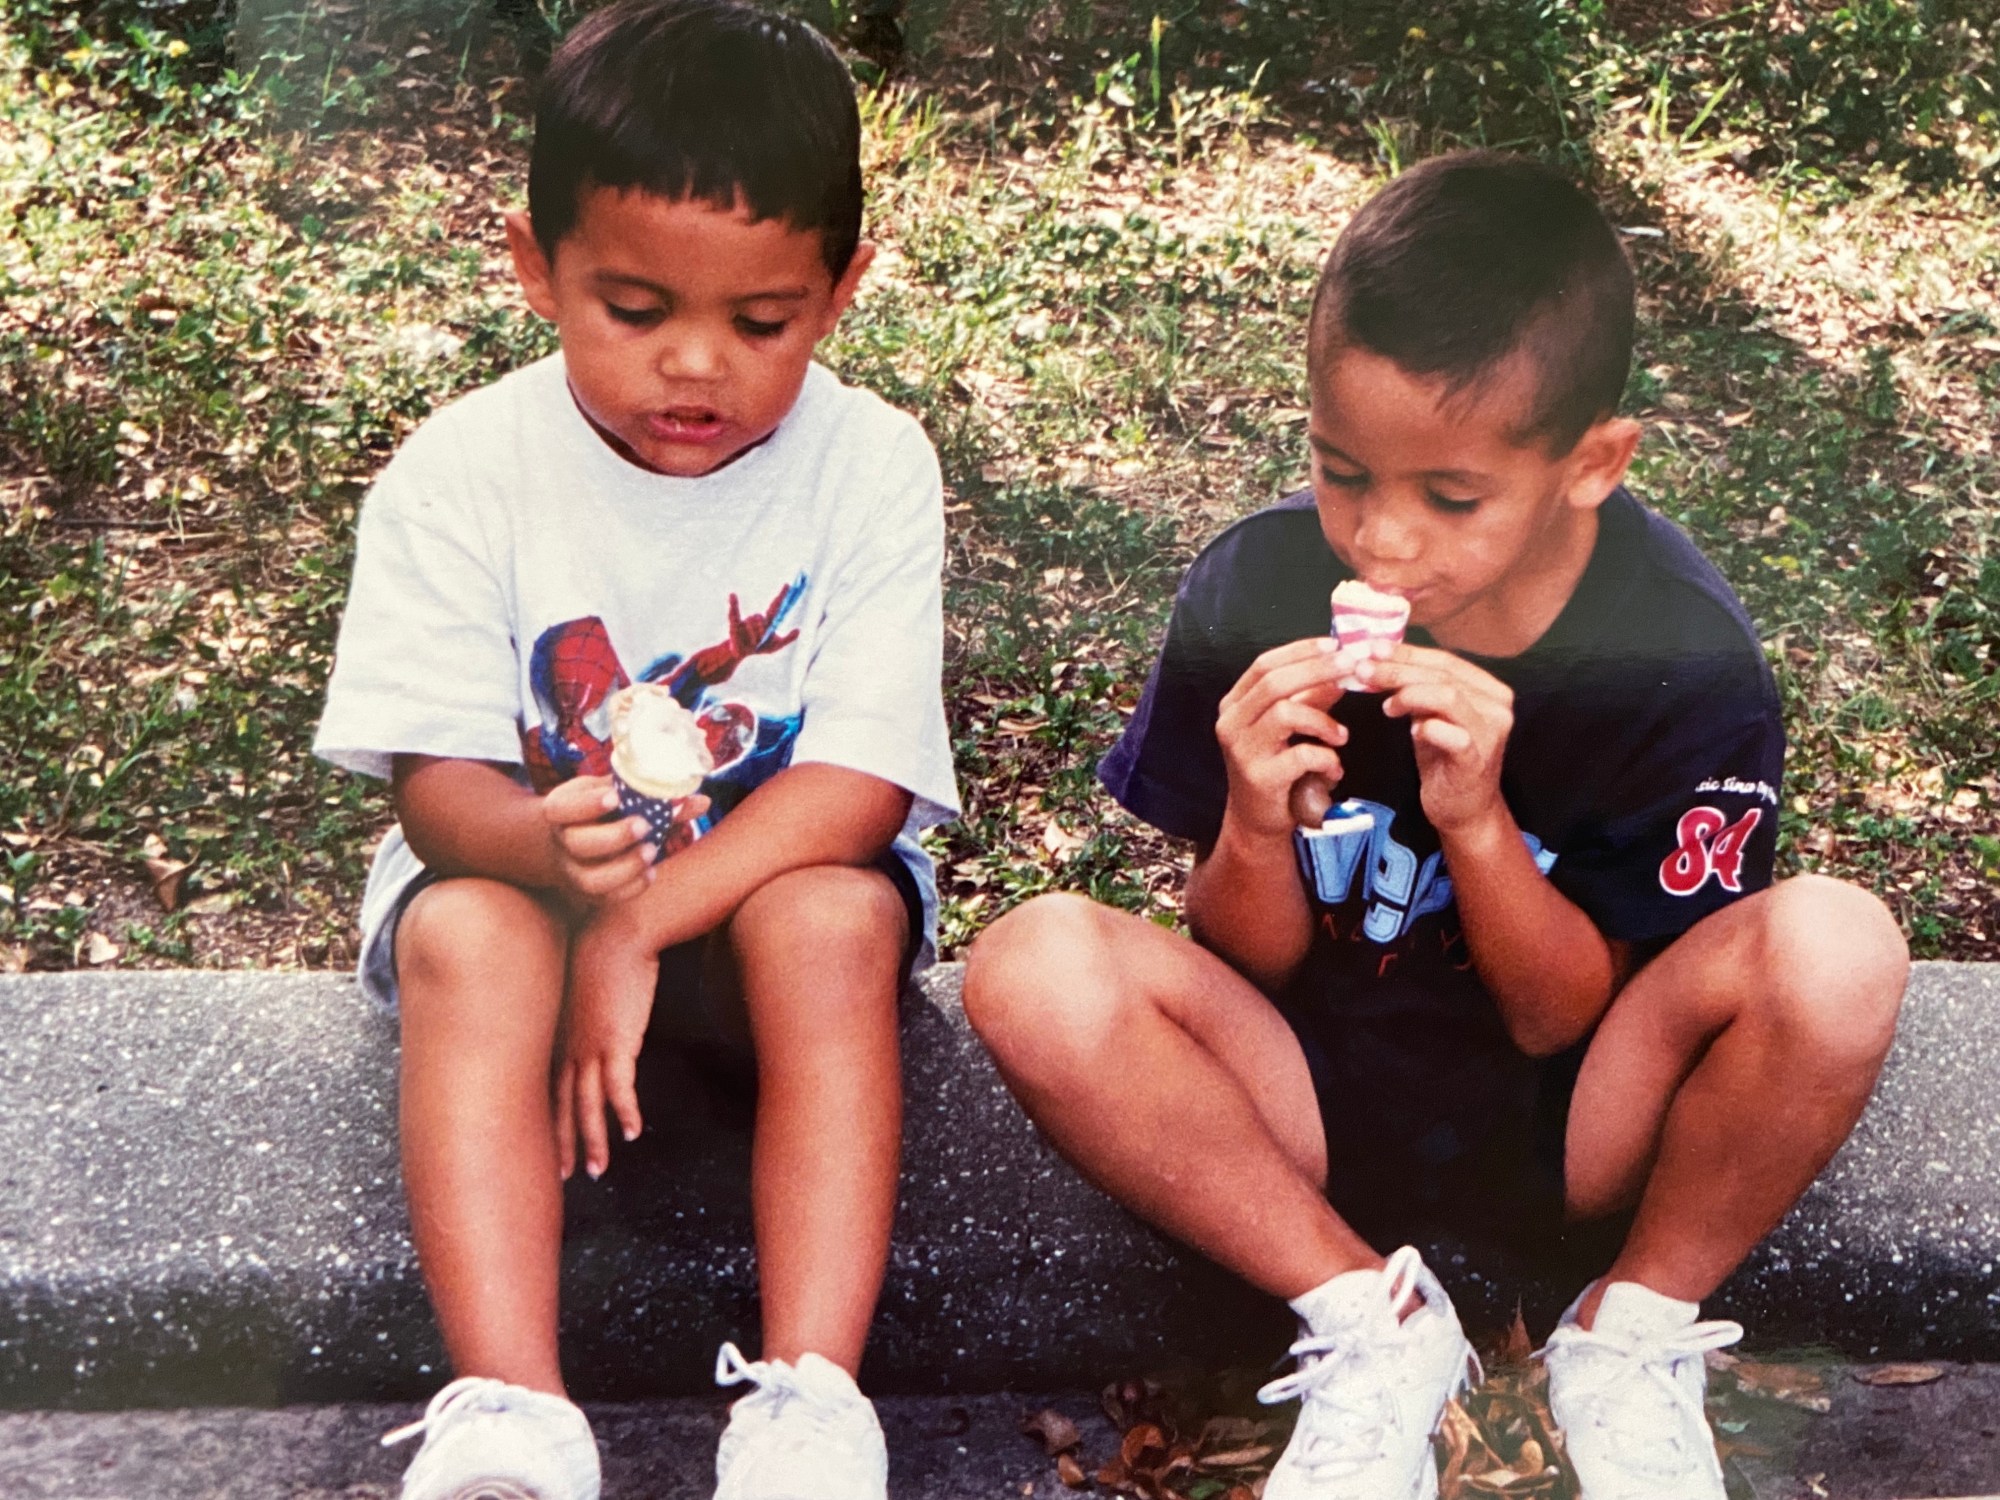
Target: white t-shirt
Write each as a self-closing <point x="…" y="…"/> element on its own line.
<point x="512" y="572"/>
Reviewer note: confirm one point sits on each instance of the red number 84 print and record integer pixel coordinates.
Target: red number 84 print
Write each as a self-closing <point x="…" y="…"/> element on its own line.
<point x="1708" y="844"/>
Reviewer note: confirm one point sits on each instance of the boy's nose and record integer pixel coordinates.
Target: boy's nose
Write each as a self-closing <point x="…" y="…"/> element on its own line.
<point x="1385" y="533"/>
<point x="695" y="355"/>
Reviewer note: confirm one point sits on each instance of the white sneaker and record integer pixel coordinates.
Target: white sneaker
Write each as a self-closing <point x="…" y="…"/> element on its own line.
<point x="487" y="1440"/>
<point x="1374" y="1388"/>
<point x="1627" y="1394"/>
<point x="805" y="1433"/>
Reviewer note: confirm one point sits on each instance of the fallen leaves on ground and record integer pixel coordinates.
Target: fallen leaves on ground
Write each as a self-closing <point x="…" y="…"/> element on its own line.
<point x="1498" y="1440"/>
<point x="1900" y="1375"/>
<point x="1167" y="1450"/>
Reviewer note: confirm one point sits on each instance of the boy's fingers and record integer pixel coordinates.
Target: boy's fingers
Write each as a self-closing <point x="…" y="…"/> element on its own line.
<point x="619" y="1073"/>
<point x="1292" y="717"/>
<point x="1428" y="664"/>
<point x="1303" y="759"/>
<point x="1254" y="712"/>
<point x="1315" y="674"/>
<point x="566" y="1119"/>
<point x="590" y="1118"/>
<point x="1428" y="700"/>
<point x="1444" y="735"/>
<point x="582" y="799"/>
<point x="627" y="870"/>
<point x="1306" y="653"/>
<point x="632" y="888"/>
<point x="590" y="842"/>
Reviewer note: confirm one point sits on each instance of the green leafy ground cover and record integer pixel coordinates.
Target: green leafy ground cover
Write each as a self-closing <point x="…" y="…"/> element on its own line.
<point x="227" y="292"/>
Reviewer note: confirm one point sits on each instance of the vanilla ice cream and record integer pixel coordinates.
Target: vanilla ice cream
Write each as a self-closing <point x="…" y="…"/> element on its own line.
<point x="1364" y="615"/>
<point x="657" y="747"/>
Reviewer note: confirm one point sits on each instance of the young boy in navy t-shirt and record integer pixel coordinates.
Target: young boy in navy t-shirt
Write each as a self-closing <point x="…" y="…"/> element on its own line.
<point x="1533" y="964"/>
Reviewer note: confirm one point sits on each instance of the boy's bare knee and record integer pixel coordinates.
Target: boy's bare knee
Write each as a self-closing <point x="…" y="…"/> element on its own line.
<point x="458" y="935"/>
<point x="830" y="912"/>
<point x="1833" y="963"/>
<point x="1021" y="977"/>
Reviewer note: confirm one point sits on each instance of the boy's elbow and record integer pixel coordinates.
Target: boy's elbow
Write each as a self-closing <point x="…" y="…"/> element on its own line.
<point x="1541" y="1025"/>
<point x="1538" y="1039"/>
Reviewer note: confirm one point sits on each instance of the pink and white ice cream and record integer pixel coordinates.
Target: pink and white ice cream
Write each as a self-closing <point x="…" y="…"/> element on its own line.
<point x="1367" y="616"/>
<point x="659" y="755"/>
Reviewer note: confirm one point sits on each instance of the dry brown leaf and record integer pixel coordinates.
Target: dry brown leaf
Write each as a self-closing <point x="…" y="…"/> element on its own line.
<point x="1059" y="841"/>
<point x="1900" y="1374"/>
<point x="1142" y="1442"/>
<point x="1237" y="1458"/>
<point x="1220" y="1432"/>
<point x="1518" y="1347"/>
<point x="99" y="949"/>
<point x="1056" y="1432"/>
<point x="1070" y="1472"/>
<point x="165" y="876"/>
<point x="1795" y="1385"/>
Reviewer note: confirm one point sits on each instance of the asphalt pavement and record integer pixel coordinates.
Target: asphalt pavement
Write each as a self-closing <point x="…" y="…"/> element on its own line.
<point x="1937" y="1438"/>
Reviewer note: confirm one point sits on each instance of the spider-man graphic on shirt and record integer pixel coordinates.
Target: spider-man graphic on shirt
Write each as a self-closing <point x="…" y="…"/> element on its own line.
<point x="575" y="670"/>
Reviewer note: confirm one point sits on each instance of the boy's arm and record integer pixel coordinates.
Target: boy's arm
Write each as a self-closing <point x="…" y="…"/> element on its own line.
<point x="1550" y="971"/>
<point x="1245" y="901"/>
<point x="1548" y="968"/>
<point x="811" y="814"/>
<point x="469" y="817"/>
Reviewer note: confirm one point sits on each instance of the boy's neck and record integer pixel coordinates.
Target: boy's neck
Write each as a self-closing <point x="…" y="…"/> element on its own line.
<point x="1521" y="612"/>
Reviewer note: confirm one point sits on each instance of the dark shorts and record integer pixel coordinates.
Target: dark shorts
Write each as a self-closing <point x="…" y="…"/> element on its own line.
<point x="697" y="1006"/>
<point x="1464" y="1139"/>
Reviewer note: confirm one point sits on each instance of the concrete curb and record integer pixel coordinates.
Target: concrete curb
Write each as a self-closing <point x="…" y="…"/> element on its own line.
<point x="199" y="1203"/>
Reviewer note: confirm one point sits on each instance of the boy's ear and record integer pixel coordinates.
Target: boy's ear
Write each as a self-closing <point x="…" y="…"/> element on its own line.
<point x="531" y="267"/>
<point x="1598" y="462"/>
<point x="849" y="283"/>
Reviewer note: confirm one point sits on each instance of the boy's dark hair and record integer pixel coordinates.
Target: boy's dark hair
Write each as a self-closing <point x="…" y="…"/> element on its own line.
<point x="700" y="99"/>
<point x="1466" y="259"/>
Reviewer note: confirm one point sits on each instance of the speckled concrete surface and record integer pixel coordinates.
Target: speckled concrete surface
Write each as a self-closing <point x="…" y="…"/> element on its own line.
<point x="199" y="1202"/>
<point x="1873" y="1443"/>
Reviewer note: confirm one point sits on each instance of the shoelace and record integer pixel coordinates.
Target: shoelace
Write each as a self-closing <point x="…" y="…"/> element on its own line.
<point x="478" y="1391"/>
<point x="779" y="1382"/>
<point x="1352" y="1417"/>
<point x="1652" y="1360"/>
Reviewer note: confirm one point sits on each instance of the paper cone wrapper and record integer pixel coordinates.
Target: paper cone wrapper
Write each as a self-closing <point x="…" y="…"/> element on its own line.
<point x="1379" y="626"/>
<point x="657" y="811"/>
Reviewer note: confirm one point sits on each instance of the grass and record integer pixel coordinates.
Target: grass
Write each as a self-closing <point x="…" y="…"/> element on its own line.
<point x="224" y="299"/>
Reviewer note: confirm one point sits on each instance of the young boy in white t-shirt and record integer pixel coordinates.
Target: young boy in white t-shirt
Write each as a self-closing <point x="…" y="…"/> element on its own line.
<point x="681" y="498"/>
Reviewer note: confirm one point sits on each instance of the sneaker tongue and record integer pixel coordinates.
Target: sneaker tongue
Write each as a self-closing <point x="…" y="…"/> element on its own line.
<point x="1350" y="1298"/>
<point x="1631" y="1312"/>
<point x="825" y="1381"/>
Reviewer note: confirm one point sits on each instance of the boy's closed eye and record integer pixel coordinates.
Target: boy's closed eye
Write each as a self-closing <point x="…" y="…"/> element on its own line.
<point x="1455" y="505"/>
<point x="1452" y="505"/>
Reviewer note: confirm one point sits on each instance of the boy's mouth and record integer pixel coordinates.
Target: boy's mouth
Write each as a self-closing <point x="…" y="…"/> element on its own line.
<point x="686" y="424"/>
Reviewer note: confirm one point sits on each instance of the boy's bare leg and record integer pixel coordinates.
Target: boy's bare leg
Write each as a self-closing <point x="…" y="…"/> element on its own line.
<point x="1727" y="1073"/>
<point x="479" y="968"/>
<point x="819" y="954"/>
<point x="1169" y="1080"/>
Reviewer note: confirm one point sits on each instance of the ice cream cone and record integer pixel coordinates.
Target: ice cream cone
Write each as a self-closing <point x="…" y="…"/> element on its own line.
<point x="659" y="758"/>
<point x="1367" y="617"/>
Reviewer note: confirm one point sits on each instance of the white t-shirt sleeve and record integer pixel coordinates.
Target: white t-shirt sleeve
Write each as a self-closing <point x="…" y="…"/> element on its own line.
<point x="873" y="698"/>
<point x="426" y="663"/>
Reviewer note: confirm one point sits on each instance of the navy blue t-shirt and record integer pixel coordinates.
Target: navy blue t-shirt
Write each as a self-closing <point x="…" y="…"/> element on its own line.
<point x="1643" y="767"/>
